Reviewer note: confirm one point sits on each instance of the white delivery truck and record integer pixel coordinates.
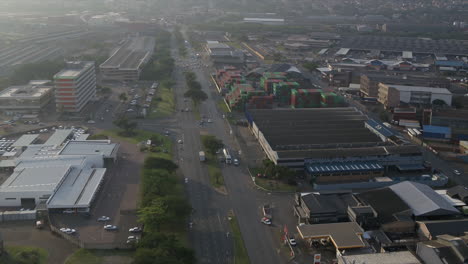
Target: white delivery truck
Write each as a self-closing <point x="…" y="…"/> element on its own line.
<point x="201" y="154"/>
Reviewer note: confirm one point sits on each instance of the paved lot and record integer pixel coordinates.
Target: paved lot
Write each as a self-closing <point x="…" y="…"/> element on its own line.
<point x="117" y="199"/>
<point x="24" y="234"/>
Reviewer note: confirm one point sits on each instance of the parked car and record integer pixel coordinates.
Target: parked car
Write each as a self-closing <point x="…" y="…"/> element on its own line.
<point x="68" y="231"/>
<point x="457" y="172"/>
<point x="68" y="211"/>
<point x="236" y="162"/>
<point x="266" y="221"/>
<point x="180" y="141"/>
<point x="135" y="230"/>
<point x="103" y="219"/>
<point x="110" y="227"/>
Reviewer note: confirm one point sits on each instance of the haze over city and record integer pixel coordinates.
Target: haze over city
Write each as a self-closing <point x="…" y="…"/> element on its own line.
<point x="233" y="132"/>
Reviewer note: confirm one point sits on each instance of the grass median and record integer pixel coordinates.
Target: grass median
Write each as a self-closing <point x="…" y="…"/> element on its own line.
<point x="163" y="104"/>
<point x="212" y="163"/>
<point x="240" y="252"/>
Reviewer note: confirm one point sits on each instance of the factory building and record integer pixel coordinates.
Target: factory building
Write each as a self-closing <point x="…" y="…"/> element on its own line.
<point x="126" y="63"/>
<point x="393" y="95"/>
<point x="26" y="99"/>
<point x="221" y="53"/>
<point x="332" y="145"/>
<point x="75" y="86"/>
<point x="60" y="174"/>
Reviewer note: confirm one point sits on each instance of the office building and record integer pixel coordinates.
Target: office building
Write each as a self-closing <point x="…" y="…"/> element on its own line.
<point x="75" y="86"/>
<point x="26" y="99"/>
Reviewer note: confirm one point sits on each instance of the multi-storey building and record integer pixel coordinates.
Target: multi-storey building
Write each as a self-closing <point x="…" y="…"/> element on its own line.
<point x="392" y="95"/>
<point x="75" y="86"/>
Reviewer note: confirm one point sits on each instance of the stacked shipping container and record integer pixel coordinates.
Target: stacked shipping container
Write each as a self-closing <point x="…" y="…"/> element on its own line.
<point x="260" y="102"/>
<point x="305" y="98"/>
<point x="330" y="99"/>
<point x="282" y="91"/>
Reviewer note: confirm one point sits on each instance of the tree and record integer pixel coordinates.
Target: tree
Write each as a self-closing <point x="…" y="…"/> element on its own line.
<point x="154" y="215"/>
<point x="126" y="125"/>
<point x="159" y="163"/>
<point x="438" y="102"/>
<point x="212" y="144"/>
<point x="310" y="66"/>
<point x="196" y="95"/>
<point x="123" y="97"/>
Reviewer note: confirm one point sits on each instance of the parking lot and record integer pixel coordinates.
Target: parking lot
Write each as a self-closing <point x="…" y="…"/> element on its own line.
<point x="117" y="199"/>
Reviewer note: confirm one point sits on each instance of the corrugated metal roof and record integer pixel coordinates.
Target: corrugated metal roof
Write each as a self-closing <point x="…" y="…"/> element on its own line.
<point x="25" y="140"/>
<point x="333" y="167"/>
<point x="437" y="129"/>
<point x="423" y="200"/>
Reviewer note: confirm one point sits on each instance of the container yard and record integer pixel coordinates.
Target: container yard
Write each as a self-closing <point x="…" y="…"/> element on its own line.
<point x="306" y="98"/>
<point x="282" y="92"/>
<point x="270" y="78"/>
<point x="260" y="102"/>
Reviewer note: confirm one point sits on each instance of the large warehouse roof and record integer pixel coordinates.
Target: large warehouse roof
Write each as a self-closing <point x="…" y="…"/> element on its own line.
<point x="422" y="199"/>
<point x="325" y="126"/>
<point x="90" y="147"/>
<point x="25" y="140"/>
<point x="59" y="136"/>
<point x="35" y="179"/>
<point x="78" y="189"/>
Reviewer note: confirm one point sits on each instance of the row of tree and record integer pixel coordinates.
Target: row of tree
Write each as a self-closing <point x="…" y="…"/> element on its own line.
<point x="180" y="42"/>
<point x="161" y="64"/>
<point x="163" y="209"/>
<point x="194" y="88"/>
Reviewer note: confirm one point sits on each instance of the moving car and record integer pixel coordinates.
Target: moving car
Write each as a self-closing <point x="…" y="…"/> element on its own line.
<point x="266" y="221"/>
<point x="180" y="141"/>
<point x="135" y="230"/>
<point x="103" y="219"/>
<point x="67" y="231"/>
<point x="236" y="162"/>
<point x="110" y="227"/>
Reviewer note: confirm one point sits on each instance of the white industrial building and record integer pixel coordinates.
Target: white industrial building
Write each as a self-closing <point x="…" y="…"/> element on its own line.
<point x="64" y="174"/>
<point x="393" y="95"/>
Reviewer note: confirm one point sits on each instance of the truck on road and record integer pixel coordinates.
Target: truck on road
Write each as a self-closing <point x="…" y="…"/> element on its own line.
<point x="227" y="156"/>
<point x="201" y="154"/>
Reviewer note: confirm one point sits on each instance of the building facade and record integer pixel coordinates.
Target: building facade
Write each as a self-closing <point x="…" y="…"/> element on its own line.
<point x="26" y="99"/>
<point x="75" y="86"/>
<point x="392" y="95"/>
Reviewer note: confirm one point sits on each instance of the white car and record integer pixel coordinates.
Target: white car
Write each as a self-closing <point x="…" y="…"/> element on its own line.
<point x="103" y="219"/>
<point x="457" y="172"/>
<point x="68" y="231"/>
<point x="68" y="211"/>
<point x="236" y="162"/>
<point x="110" y="227"/>
<point x="180" y="141"/>
<point x="130" y="110"/>
<point x="209" y="121"/>
<point x="91" y="122"/>
<point x="186" y="180"/>
<point x="135" y="230"/>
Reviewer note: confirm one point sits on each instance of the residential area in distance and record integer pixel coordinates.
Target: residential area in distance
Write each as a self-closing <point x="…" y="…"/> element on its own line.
<point x="237" y="132"/>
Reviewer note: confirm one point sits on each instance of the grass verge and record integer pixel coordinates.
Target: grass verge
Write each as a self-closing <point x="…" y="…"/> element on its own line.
<point x="163" y="104"/>
<point x="222" y="106"/>
<point x="240" y="252"/>
<point x="141" y="136"/>
<point x="20" y="254"/>
<point x="196" y="111"/>
<point x="270" y="184"/>
<point x="95" y="256"/>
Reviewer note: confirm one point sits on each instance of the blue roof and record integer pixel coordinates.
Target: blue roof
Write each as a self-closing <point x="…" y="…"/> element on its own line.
<point x="380" y="128"/>
<point x="450" y="63"/>
<point x="437" y="130"/>
<point x="332" y="167"/>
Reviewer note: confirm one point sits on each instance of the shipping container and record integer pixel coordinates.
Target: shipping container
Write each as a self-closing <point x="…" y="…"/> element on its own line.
<point x="305" y="98"/>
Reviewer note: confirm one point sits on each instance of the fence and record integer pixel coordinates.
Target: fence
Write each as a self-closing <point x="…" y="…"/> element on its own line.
<point x="8" y="216"/>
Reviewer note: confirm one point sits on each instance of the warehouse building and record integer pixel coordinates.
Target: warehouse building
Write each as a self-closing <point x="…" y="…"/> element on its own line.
<point x="31" y="98"/>
<point x="393" y="95"/>
<point x="223" y="54"/>
<point x="332" y="145"/>
<point x="126" y="62"/>
<point x="370" y="82"/>
<point x="75" y="86"/>
<point x="65" y="175"/>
